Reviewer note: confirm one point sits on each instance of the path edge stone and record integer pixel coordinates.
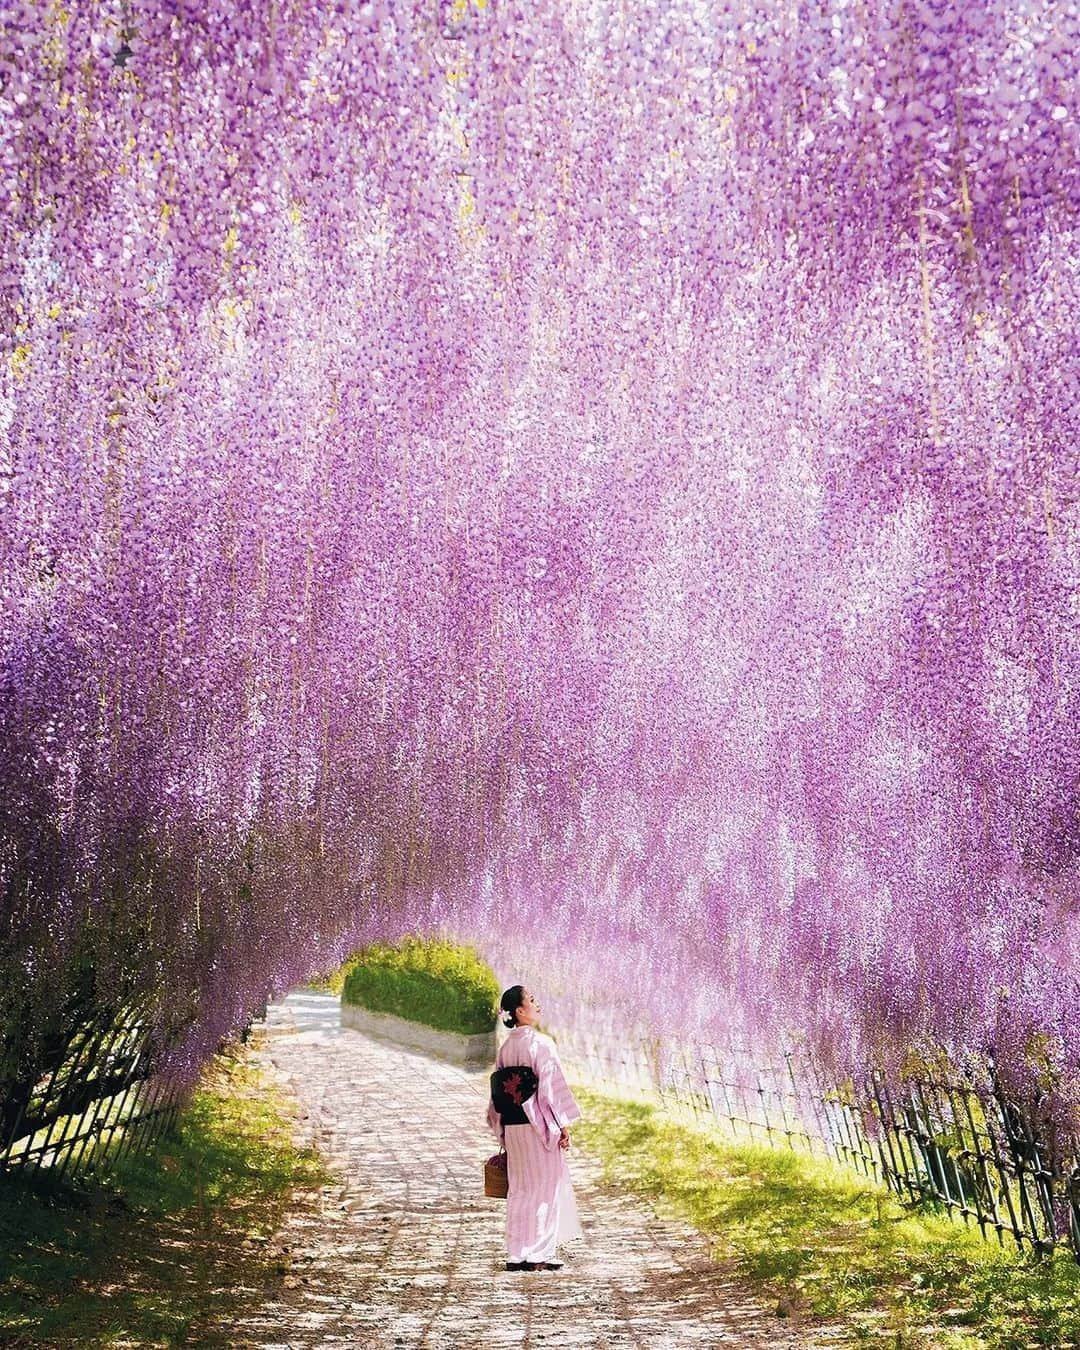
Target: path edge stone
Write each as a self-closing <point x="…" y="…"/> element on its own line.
<point x="469" y="1052"/>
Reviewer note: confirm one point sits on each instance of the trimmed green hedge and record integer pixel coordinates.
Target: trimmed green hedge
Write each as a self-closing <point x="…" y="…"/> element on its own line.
<point x="430" y="980"/>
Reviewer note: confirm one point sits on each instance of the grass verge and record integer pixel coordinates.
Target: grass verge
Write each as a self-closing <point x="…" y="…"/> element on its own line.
<point x="825" y="1245"/>
<point x="172" y="1243"/>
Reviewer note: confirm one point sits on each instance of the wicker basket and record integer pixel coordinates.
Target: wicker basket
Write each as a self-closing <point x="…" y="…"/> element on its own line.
<point x="496" y="1182"/>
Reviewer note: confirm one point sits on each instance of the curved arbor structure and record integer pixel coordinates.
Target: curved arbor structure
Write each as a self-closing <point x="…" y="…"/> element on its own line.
<point x="603" y="474"/>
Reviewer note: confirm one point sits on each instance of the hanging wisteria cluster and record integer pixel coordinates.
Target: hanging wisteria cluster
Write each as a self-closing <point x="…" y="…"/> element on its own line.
<point x="597" y="478"/>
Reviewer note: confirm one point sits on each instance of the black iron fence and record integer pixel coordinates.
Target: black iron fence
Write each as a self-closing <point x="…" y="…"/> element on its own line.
<point x="954" y="1137"/>
<point x="99" y="1099"/>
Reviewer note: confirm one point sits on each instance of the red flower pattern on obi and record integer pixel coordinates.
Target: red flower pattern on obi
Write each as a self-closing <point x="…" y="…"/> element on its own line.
<point x="512" y="1088"/>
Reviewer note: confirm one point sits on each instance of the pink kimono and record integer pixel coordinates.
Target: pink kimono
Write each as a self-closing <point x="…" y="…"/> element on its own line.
<point x="540" y="1208"/>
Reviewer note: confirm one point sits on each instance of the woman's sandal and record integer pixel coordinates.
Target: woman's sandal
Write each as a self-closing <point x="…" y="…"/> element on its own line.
<point x="522" y="1265"/>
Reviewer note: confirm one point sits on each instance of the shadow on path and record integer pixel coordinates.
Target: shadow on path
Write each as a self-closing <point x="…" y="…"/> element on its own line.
<point x="405" y="1251"/>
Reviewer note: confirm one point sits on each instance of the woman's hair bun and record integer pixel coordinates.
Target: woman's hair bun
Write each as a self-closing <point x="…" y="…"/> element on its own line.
<point x="510" y="1002"/>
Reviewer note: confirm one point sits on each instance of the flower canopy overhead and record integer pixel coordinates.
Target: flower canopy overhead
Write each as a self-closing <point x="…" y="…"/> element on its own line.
<point x="598" y="478"/>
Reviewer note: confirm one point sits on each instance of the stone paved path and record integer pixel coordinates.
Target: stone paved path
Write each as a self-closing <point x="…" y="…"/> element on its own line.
<point x="404" y="1251"/>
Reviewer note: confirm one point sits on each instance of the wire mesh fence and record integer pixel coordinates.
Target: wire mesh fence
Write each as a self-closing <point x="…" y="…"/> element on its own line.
<point x="99" y="1099"/>
<point x="949" y="1135"/>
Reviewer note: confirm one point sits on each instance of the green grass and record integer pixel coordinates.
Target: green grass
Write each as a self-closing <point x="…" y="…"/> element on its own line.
<point x="430" y="980"/>
<point x="172" y="1243"/>
<point x="823" y="1245"/>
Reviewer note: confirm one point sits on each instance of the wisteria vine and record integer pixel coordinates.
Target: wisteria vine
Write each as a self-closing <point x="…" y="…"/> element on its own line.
<point x="601" y="479"/>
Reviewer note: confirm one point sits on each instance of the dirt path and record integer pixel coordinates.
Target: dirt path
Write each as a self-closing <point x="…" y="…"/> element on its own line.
<point x="404" y="1251"/>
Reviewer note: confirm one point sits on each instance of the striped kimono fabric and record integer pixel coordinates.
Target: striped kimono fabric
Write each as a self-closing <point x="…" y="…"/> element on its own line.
<point x="541" y="1210"/>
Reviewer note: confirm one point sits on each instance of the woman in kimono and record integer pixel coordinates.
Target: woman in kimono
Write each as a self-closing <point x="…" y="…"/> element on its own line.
<point x="540" y="1208"/>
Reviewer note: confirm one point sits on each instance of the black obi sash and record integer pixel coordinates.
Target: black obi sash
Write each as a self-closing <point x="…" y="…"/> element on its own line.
<point x="510" y="1089"/>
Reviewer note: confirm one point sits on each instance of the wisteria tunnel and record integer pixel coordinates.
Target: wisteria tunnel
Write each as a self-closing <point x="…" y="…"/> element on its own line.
<point x="599" y="480"/>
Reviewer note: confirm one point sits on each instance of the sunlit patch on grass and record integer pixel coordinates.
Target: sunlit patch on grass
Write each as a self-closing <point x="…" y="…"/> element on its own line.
<point x="172" y="1242"/>
<point x="825" y="1244"/>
